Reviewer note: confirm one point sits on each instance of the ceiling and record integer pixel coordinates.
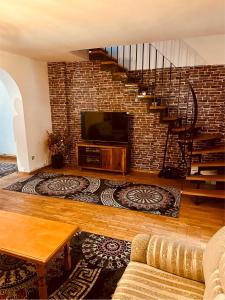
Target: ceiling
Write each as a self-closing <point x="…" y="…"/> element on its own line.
<point x="50" y="29"/>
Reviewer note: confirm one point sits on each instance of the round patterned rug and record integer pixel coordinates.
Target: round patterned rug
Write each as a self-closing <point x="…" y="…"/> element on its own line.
<point x="104" y="252"/>
<point x="144" y="197"/>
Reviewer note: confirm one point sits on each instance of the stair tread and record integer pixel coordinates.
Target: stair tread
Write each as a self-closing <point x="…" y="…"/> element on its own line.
<point x="217" y="149"/>
<point x="146" y="97"/>
<point x="98" y="51"/>
<point x="220" y="163"/>
<point x="120" y="73"/>
<point x="219" y="178"/>
<point x="157" y="107"/>
<point x="204" y="137"/>
<point x="109" y="62"/>
<point x="204" y="193"/>
<point x="172" y="118"/>
<point x="181" y="129"/>
<point x="133" y="85"/>
<point x="100" y="54"/>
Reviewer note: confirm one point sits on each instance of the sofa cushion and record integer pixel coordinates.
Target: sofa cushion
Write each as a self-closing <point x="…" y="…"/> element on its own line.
<point x="177" y="257"/>
<point x="141" y="281"/>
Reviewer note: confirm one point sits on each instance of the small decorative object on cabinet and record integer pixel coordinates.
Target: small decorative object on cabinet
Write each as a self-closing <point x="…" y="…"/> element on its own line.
<point x="102" y="157"/>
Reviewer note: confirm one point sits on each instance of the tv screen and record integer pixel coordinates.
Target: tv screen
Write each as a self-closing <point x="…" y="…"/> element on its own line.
<point x="104" y="126"/>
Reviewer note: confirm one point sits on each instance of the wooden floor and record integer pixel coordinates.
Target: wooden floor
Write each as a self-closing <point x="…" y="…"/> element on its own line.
<point x="195" y="223"/>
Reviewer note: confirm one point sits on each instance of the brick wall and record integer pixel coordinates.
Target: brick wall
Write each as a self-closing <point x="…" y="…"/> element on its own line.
<point x="83" y="86"/>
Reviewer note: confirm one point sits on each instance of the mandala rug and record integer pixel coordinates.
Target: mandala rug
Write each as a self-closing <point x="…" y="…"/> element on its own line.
<point x="160" y="200"/>
<point x="7" y="168"/>
<point x="98" y="263"/>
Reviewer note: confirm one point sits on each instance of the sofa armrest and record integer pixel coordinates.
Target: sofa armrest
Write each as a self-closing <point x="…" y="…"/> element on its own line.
<point x="176" y="256"/>
<point x="139" y="248"/>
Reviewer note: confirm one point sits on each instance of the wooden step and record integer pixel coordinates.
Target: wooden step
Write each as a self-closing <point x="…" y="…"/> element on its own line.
<point x="146" y="97"/>
<point x="218" y="178"/>
<point x="122" y="74"/>
<point x="204" y="137"/>
<point x="132" y="86"/>
<point x="171" y="118"/>
<point x="119" y="76"/>
<point x="100" y="54"/>
<point x="98" y="51"/>
<point x="109" y="62"/>
<point x="209" y="164"/>
<point x="219" y="194"/>
<point x="217" y="149"/>
<point x="185" y="129"/>
<point x="112" y="66"/>
<point x="157" y="107"/>
<point x="181" y="129"/>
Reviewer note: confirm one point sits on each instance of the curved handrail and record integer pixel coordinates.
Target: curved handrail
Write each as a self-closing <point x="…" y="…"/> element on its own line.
<point x="195" y="102"/>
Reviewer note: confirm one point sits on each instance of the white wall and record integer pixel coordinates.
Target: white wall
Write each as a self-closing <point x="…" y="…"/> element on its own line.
<point x="34" y="113"/>
<point x="180" y="53"/>
<point x="210" y="47"/>
<point x="7" y="141"/>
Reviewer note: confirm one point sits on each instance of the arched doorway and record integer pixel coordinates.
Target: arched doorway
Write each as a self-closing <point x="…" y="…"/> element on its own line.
<point x="13" y="114"/>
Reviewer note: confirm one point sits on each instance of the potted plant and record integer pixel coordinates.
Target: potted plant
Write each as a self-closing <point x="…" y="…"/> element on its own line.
<point x="58" y="145"/>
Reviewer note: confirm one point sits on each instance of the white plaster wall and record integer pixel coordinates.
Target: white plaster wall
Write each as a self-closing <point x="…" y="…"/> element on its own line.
<point x="7" y="141"/>
<point x="35" y="115"/>
<point x="211" y="48"/>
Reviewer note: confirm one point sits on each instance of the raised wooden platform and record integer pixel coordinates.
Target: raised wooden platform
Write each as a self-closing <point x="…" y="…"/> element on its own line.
<point x="219" y="194"/>
<point x="218" y="178"/>
<point x="216" y="149"/>
<point x="209" y="164"/>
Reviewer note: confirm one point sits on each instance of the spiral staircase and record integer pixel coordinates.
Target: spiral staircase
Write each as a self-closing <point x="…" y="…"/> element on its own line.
<point x="143" y="69"/>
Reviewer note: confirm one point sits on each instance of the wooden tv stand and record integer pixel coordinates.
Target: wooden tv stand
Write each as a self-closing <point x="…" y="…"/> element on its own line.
<point x="103" y="157"/>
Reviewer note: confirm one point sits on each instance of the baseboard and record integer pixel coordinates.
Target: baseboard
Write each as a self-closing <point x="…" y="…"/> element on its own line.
<point x="8" y="156"/>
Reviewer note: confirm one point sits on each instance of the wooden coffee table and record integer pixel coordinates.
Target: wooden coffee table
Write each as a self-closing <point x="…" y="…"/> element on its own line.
<point x="36" y="240"/>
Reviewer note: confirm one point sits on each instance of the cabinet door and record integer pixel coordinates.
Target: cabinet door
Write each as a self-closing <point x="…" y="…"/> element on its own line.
<point x="106" y="159"/>
<point x="117" y="159"/>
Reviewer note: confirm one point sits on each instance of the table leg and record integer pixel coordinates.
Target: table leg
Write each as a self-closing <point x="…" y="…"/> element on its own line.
<point x="67" y="257"/>
<point x="42" y="286"/>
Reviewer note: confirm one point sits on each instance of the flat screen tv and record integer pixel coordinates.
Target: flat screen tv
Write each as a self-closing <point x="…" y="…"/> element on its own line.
<point x="104" y="126"/>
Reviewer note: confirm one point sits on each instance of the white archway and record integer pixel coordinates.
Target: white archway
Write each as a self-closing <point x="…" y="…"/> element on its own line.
<point x="16" y="104"/>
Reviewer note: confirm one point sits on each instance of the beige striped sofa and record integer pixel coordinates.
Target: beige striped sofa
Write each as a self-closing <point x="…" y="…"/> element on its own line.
<point x="165" y="268"/>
